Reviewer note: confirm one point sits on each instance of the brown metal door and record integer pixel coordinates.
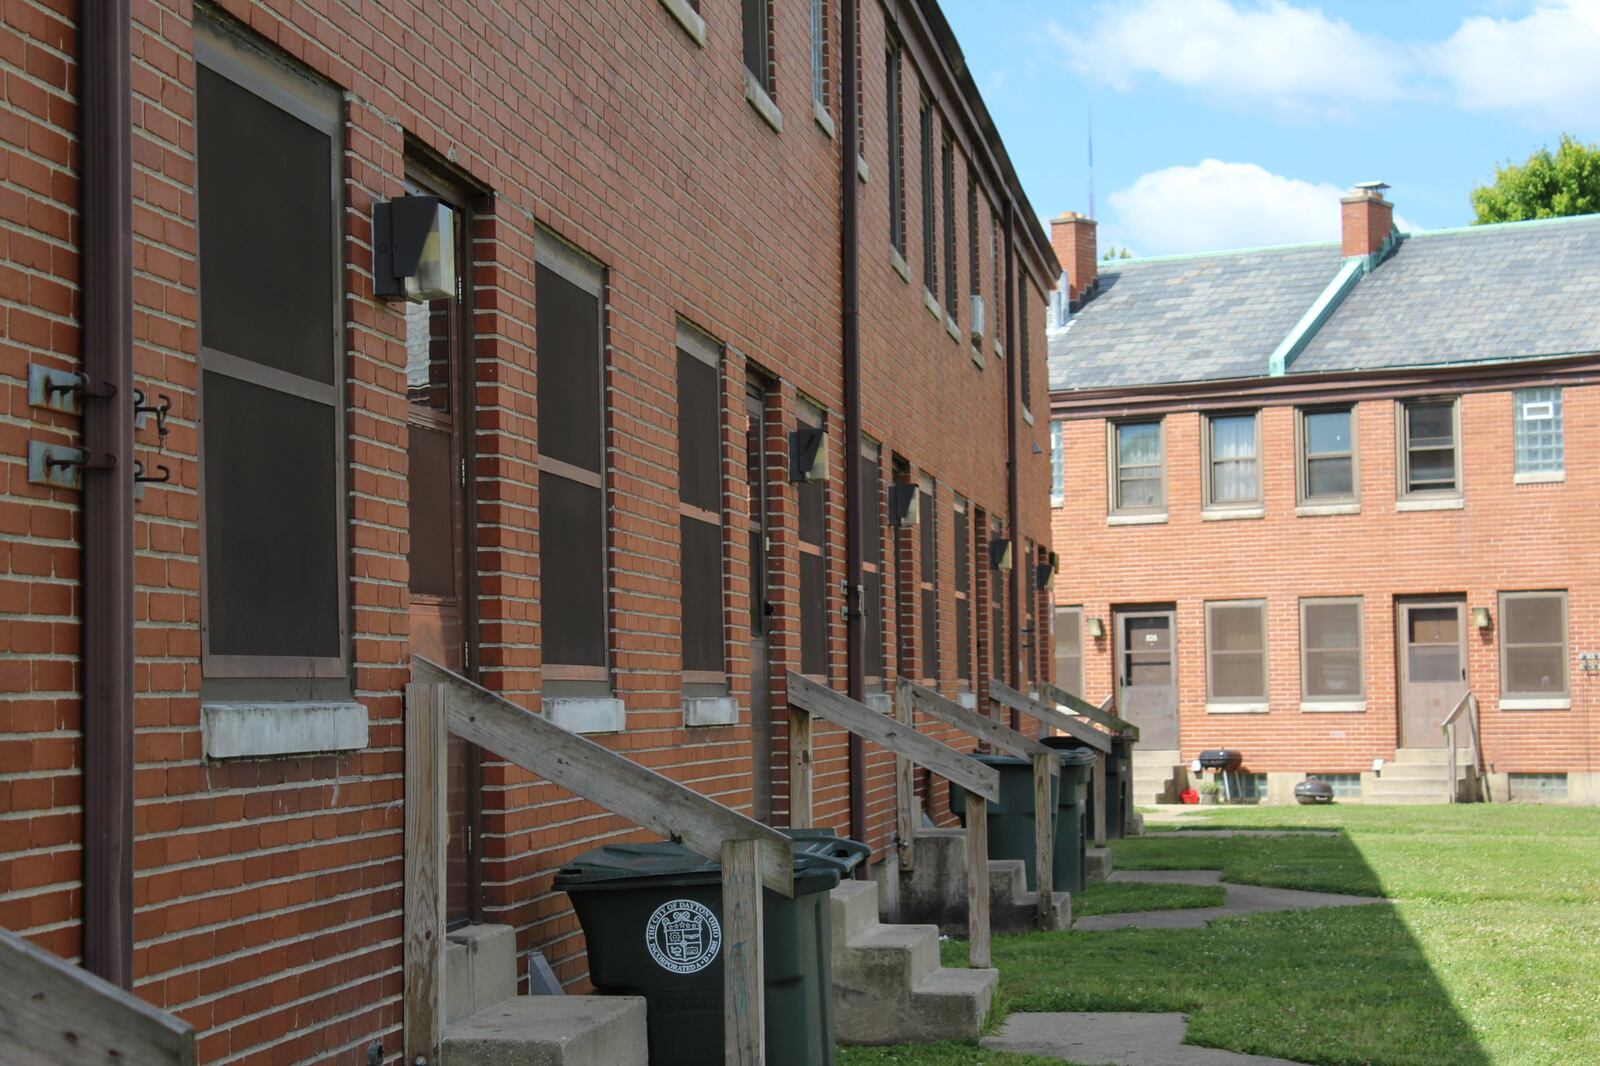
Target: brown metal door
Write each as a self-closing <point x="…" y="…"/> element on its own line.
<point x="1433" y="667"/>
<point x="755" y="441"/>
<point x="440" y="607"/>
<point x="1147" y="676"/>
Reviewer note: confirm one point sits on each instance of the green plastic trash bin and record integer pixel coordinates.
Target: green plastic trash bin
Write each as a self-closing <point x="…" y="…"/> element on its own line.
<point x="1072" y="837"/>
<point x="652" y="916"/>
<point x="1011" y="817"/>
<point x="1119" y="776"/>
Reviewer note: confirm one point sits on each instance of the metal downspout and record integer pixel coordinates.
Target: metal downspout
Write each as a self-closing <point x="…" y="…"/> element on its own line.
<point x="107" y="554"/>
<point x="1013" y="397"/>
<point x="850" y="304"/>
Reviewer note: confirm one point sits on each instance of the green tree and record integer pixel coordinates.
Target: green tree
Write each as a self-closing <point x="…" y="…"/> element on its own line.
<point x="1113" y="253"/>
<point x="1548" y="185"/>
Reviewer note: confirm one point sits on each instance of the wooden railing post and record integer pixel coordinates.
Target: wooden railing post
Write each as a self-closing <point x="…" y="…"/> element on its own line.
<point x="424" y="872"/>
<point x="977" y="881"/>
<point x="1044" y="839"/>
<point x="799" y="767"/>
<point x="905" y="788"/>
<point x="1099" y="786"/>
<point x="744" y="1010"/>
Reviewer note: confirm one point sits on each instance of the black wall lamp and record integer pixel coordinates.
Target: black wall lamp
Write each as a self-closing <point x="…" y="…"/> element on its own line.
<point x="1047" y="571"/>
<point x="999" y="554"/>
<point x="414" y="248"/>
<point x="904" y="506"/>
<point x="808" y="453"/>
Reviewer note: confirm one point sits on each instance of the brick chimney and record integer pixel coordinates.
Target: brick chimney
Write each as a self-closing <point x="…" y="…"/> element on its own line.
<point x="1073" y="236"/>
<point x="1366" y="218"/>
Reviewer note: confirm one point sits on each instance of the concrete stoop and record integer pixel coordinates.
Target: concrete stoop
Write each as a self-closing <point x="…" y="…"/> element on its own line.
<point x="888" y="986"/>
<point x="488" y="1024"/>
<point x="935" y="892"/>
<point x="1418" y="775"/>
<point x="1158" y="776"/>
<point x="1097" y="865"/>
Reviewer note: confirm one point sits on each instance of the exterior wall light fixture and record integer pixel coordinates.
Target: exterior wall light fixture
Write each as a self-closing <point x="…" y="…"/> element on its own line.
<point x="414" y="248"/>
<point x="808" y="454"/>
<point x="1480" y="617"/>
<point x="1000" y="554"/>
<point x="1097" y="628"/>
<point x="904" y="506"/>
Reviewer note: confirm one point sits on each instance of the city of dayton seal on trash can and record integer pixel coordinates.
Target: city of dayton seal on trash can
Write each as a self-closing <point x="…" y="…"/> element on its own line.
<point x="683" y="936"/>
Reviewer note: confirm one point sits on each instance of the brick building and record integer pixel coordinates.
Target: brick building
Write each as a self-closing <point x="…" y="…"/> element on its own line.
<point x="1308" y="498"/>
<point x="571" y="475"/>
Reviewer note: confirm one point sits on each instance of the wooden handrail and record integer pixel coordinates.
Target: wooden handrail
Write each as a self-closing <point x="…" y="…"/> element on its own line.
<point x="1047" y="716"/>
<point x="54" y="1012"/>
<point x="1082" y="707"/>
<point x="440" y="702"/>
<point x="898" y="734"/>
<point x="1467" y="705"/>
<point x="981" y="726"/>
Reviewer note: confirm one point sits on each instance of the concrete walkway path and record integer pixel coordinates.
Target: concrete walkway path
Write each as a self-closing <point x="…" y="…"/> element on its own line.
<point x="1237" y="900"/>
<point x="1174" y="833"/>
<point x="1115" y="1039"/>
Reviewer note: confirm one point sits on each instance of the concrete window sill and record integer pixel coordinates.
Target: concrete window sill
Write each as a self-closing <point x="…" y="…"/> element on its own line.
<point x="1137" y="519"/>
<point x="1058" y="501"/>
<point x="862" y="171"/>
<point x="931" y="302"/>
<point x="999" y="349"/>
<point x="1333" y="706"/>
<point x="1536" y="703"/>
<point x="265" y="729"/>
<point x="1540" y="477"/>
<point x="952" y="328"/>
<point x="586" y="714"/>
<point x="1315" y="510"/>
<point x="898" y="262"/>
<point x="765" y="106"/>
<point x="1238" y="708"/>
<point x="1027" y="416"/>
<point x="688" y="18"/>
<point x="977" y="357"/>
<point x="824" y="120"/>
<point x="1449" y="503"/>
<point x="1232" y="514"/>
<point x="710" y="710"/>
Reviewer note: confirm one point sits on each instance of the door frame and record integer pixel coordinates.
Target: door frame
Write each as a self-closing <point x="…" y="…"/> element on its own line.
<point x="1120" y="613"/>
<point x="437" y="179"/>
<point x="1402" y="604"/>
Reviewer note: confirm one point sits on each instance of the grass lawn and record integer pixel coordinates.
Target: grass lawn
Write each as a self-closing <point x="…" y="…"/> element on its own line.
<point x="1489" y="954"/>
<point x="1126" y="897"/>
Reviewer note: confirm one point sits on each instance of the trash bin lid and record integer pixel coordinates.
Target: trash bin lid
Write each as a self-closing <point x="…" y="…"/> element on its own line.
<point x="821" y="857"/>
<point x="1001" y="760"/>
<point x="1071" y="749"/>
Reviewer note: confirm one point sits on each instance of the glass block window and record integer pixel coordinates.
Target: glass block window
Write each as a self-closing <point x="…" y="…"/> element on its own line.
<point x="1536" y="417"/>
<point x="1345" y="786"/>
<point x="1249" y="788"/>
<point x="1537" y="786"/>
<point x="1058" y="491"/>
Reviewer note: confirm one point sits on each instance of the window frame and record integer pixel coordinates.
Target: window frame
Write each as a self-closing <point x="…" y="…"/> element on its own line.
<point x="894" y="91"/>
<point x="947" y="209"/>
<point x="1310" y="701"/>
<point x="1535" y="701"/>
<point x="875" y="671"/>
<point x="1519" y="401"/>
<point x="1404" y="491"/>
<point x="297" y="93"/>
<point x="962" y="591"/>
<point x="1303" y="457"/>
<point x="762" y="13"/>
<point x="1208" y="463"/>
<point x="697" y="344"/>
<point x="1058" y="463"/>
<point x="1237" y="704"/>
<point x="819" y="55"/>
<point x="930" y="211"/>
<point x="583" y="272"/>
<point x="1114" y="467"/>
<point x="1075" y="611"/>
<point x="811" y="414"/>
<point x="928" y="579"/>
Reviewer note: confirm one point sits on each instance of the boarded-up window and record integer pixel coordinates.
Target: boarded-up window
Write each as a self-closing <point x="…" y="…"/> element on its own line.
<point x="1330" y="649"/>
<point x="961" y="556"/>
<point x="1429" y="449"/>
<point x="271" y="517"/>
<point x="572" y="525"/>
<point x="813" y="572"/>
<point x="700" y="504"/>
<point x="928" y="530"/>
<point x="1069" y="649"/>
<point x="1236" y="649"/>
<point x="1327" y="455"/>
<point x="1138" y="475"/>
<point x="1533" y="642"/>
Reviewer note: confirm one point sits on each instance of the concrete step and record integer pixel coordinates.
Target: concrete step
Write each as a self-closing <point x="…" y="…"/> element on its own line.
<point x="1436" y="756"/>
<point x="1412" y="771"/>
<point x="1013" y="908"/>
<point x="551" y="1031"/>
<point x="888" y="987"/>
<point x="1097" y="865"/>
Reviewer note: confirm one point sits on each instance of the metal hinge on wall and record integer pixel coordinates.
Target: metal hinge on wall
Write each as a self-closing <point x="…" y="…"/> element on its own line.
<point x="461" y="465"/>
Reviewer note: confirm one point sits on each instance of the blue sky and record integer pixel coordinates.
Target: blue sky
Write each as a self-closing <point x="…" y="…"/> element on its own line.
<point x="1235" y="123"/>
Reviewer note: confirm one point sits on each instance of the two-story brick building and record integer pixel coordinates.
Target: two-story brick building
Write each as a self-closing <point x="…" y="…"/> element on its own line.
<point x="719" y="296"/>
<point x="1308" y="498"/>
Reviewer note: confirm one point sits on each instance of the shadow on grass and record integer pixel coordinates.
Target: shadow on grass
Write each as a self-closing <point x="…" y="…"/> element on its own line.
<point x="1340" y="985"/>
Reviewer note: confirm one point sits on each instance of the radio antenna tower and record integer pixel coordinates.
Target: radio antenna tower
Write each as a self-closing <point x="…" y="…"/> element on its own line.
<point x="1091" y="159"/>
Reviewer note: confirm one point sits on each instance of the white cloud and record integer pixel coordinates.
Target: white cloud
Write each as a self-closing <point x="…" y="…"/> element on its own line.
<point x="1270" y="54"/>
<point x="1544" y="66"/>
<point x="1218" y="205"/>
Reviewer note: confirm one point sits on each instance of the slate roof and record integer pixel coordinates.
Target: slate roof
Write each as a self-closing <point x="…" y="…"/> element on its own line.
<point x="1481" y="294"/>
<point x="1484" y="294"/>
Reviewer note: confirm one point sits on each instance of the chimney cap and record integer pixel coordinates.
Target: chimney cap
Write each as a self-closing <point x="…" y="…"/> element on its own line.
<point x="1372" y="186"/>
<point x="1071" y="216"/>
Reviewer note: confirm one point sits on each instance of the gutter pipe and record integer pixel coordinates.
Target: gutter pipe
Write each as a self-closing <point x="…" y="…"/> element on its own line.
<point x="850" y="307"/>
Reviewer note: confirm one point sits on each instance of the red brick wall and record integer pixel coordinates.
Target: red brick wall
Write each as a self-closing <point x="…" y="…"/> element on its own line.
<point x="1507" y="537"/>
<point x="268" y="892"/>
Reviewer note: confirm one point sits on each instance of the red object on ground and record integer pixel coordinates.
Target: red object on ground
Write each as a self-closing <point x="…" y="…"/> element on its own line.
<point x="1189" y="795"/>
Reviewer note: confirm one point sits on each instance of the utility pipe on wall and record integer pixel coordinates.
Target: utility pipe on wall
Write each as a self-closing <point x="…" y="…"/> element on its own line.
<point x="1013" y="398"/>
<point x="850" y="311"/>
<point x="107" y="550"/>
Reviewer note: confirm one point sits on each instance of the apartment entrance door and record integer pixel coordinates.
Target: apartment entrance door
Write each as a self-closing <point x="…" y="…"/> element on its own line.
<point x="1432" y="667"/>
<point x="1147" y="676"/>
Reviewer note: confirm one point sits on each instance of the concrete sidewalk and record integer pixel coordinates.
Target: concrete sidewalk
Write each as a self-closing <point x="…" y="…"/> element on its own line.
<point x="1115" y="1039"/>
<point x="1238" y="900"/>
